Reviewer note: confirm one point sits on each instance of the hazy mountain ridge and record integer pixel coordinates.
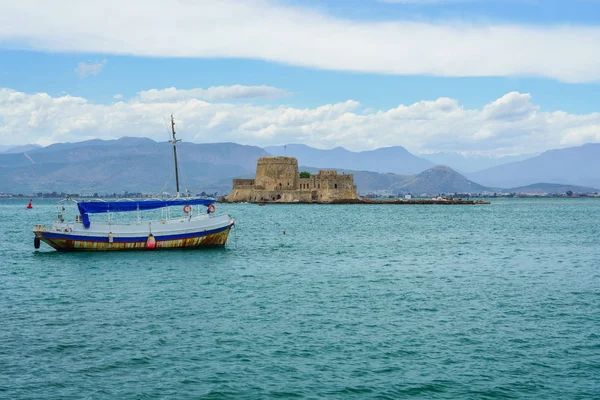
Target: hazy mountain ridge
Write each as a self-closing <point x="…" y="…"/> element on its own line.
<point x="19" y="149"/>
<point x="132" y="164"/>
<point x="141" y="164"/>
<point x="573" y="166"/>
<point x="441" y="180"/>
<point x="432" y="181"/>
<point x="471" y="163"/>
<point x="395" y="159"/>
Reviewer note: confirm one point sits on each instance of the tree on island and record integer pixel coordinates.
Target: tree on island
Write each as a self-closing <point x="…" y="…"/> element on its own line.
<point x="569" y="193"/>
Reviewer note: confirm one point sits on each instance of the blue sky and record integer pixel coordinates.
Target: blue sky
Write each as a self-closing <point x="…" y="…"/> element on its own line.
<point x="541" y="12"/>
<point x="53" y="73"/>
<point x="364" y="59"/>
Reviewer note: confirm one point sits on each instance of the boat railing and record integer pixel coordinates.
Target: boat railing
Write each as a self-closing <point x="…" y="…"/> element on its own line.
<point x="167" y="215"/>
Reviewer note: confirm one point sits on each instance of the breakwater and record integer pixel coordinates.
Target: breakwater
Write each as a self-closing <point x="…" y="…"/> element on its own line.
<point x="374" y="201"/>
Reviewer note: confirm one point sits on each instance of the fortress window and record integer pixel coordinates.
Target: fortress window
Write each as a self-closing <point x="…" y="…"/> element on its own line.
<point x="335" y="185"/>
<point x="278" y="197"/>
<point x="319" y="186"/>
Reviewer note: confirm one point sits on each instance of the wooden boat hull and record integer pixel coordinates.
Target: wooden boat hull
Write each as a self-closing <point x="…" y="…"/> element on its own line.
<point x="70" y="242"/>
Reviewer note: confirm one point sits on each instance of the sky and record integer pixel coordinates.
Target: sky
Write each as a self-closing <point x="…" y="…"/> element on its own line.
<point x="492" y="77"/>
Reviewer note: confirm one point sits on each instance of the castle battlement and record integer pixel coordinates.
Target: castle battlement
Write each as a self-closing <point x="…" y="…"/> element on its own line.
<point x="327" y="172"/>
<point x="277" y="160"/>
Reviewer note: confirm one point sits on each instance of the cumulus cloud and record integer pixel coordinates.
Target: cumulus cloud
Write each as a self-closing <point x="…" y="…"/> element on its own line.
<point x="212" y="93"/>
<point x="118" y="96"/>
<point x="511" y="124"/>
<point x="272" y="31"/>
<point x="84" y="70"/>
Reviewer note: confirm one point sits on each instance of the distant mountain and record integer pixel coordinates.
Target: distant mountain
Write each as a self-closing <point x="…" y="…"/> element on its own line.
<point x="132" y="164"/>
<point x="396" y="159"/>
<point x="368" y="182"/>
<point x="441" y="179"/>
<point x="550" y="188"/>
<point x="19" y="149"/>
<point x="471" y="163"/>
<point x="143" y="165"/>
<point x="574" y="166"/>
<point x="432" y="181"/>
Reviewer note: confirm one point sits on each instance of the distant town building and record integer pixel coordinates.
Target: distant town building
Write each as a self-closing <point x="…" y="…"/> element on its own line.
<point x="278" y="180"/>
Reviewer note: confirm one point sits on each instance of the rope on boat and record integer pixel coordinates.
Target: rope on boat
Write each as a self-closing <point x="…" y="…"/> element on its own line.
<point x="99" y="182"/>
<point x="166" y="183"/>
<point x="235" y="235"/>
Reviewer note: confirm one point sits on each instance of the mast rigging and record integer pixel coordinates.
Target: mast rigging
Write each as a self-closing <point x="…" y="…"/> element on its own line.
<point x="174" y="141"/>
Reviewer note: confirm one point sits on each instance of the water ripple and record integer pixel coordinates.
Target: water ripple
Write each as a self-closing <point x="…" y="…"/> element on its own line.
<point x="382" y="302"/>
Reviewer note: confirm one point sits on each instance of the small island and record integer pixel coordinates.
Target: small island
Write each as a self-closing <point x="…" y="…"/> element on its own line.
<point x="279" y="181"/>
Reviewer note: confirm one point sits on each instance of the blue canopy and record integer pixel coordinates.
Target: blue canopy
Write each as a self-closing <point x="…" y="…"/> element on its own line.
<point x="94" y="207"/>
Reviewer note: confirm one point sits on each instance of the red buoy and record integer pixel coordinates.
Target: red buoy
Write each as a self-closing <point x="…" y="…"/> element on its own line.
<point x="29" y="205"/>
<point x="151" y="242"/>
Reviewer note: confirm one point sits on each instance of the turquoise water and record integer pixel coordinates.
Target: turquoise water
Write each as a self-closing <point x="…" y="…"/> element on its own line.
<point x="363" y="301"/>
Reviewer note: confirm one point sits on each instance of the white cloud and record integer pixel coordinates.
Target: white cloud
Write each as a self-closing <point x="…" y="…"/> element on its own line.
<point x="118" y="96"/>
<point x="511" y="124"/>
<point x="212" y="93"/>
<point x="84" y="70"/>
<point x="581" y="135"/>
<point x="268" y="30"/>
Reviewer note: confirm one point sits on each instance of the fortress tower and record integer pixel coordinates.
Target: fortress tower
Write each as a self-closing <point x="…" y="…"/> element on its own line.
<point x="276" y="173"/>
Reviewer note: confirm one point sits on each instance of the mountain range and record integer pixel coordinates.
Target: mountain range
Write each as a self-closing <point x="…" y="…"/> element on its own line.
<point x="19" y="149"/>
<point x="132" y="164"/>
<point x="466" y="163"/>
<point x="396" y="159"/>
<point x="574" y="165"/>
<point x="143" y="165"/>
<point x="435" y="180"/>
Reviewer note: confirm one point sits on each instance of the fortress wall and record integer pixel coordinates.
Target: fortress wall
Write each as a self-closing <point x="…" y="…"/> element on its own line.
<point x="332" y="182"/>
<point x="285" y="196"/>
<point x="241" y="183"/>
<point x="240" y="194"/>
<point x="305" y="183"/>
<point x="328" y="180"/>
<point x="277" y="173"/>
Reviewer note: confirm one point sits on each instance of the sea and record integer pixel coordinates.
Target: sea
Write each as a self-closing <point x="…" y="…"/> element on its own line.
<point x="314" y="301"/>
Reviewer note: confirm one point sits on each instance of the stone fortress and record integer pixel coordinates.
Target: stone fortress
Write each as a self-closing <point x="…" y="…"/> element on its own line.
<point x="278" y="180"/>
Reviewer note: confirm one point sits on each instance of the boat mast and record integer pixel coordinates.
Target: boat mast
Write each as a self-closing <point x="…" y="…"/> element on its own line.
<point x="174" y="141"/>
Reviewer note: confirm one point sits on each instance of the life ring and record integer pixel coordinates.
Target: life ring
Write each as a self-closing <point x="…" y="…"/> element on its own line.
<point x="187" y="209"/>
<point x="211" y="209"/>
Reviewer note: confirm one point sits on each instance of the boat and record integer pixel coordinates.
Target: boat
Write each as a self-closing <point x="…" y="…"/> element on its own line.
<point x="195" y="226"/>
